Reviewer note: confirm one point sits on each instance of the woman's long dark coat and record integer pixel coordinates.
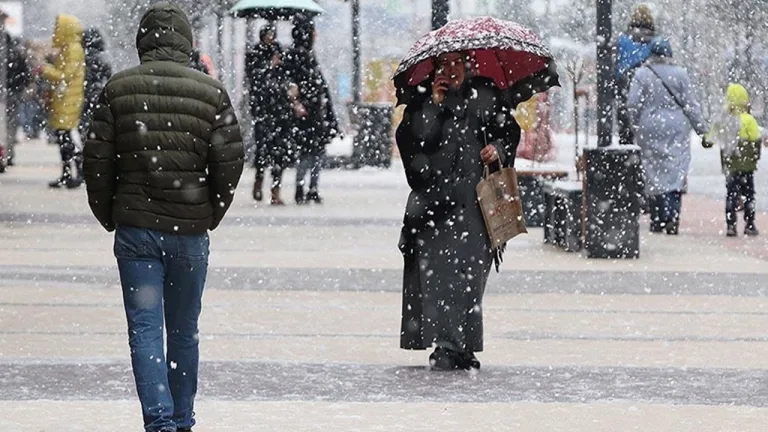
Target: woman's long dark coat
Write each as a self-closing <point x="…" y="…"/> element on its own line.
<point x="445" y="245"/>
<point x="320" y="126"/>
<point x="270" y="110"/>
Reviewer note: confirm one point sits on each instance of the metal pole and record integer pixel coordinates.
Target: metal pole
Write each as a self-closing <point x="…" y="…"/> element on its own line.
<point x="357" y="54"/>
<point x="604" y="74"/>
<point x="440" y="10"/>
<point x="4" y="132"/>
<point x="220" y="46"/>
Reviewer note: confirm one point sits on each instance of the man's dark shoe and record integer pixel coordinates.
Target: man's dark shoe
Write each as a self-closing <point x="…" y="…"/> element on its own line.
<point x="731" y="231"/>
<point x="751" y="231"/>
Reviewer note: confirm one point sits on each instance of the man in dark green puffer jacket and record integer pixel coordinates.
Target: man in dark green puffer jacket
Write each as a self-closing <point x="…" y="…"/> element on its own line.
<point x="162" y="163"/>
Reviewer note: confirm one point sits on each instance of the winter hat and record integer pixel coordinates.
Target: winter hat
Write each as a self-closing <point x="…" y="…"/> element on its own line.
<point x="642" y="17"/>
<point x="661" y="47"/>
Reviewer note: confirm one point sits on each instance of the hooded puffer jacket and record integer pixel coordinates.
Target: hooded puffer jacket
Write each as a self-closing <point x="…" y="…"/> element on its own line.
<point x="736" y="132"/>
<point x="66" y="74"/>
<point x="165" y="150"/>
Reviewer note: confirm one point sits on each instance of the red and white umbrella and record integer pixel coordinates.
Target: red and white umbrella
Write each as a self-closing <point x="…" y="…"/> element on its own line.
<point x="504" y="51"/>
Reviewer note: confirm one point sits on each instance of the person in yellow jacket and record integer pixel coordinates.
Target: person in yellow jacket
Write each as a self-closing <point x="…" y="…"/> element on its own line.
<point x="67" y="77"/>
<point x="738" y="135"/>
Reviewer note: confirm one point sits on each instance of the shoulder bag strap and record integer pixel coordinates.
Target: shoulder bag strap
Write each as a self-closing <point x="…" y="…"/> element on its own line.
<point x="672" y="93"/>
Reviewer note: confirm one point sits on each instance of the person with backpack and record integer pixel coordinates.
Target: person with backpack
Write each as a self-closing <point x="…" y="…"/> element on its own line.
<point x="632" y="50"/>
<point x="738" y="135"/>
<point x="663" y="111"/>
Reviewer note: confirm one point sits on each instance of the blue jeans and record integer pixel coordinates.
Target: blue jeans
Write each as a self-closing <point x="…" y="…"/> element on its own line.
<point x="312" y="162"/>
<point x="163" y="275"/>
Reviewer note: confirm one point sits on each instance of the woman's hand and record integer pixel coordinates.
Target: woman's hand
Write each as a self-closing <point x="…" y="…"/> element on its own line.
<point x="489" y="154"/>
<point x="439" y="88"/>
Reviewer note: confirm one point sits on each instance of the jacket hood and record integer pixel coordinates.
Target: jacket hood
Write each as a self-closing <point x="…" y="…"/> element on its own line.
<point x="641" y="35"/>
<point x="661" y="47"/>
<point x="93" y="40"/>
<point x="68" y="31"/>
<point x="737" y="99"/>
<point x="164" y="35"/>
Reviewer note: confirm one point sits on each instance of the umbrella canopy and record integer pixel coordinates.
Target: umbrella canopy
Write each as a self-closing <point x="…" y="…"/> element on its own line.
<point x="506" y="52"/>
<point x="276" y="9"/>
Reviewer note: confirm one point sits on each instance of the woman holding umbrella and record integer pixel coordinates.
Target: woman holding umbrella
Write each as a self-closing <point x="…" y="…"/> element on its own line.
<point x="458" y="122"/>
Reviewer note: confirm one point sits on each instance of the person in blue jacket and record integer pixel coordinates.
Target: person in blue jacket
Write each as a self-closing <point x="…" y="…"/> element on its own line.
<point x="633" y="48"/>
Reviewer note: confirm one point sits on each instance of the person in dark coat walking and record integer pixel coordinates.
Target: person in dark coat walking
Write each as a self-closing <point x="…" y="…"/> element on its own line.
<point x="162" y="165"/>
<point x="97" y="72"/>
<point x="315" y="121"/>
<point x="18" y="78"/>
<point x="270" y="110"/>
<point x="445" y="140"/>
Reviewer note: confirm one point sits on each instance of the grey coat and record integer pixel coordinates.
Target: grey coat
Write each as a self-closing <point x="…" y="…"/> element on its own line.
<point x="446" y="249"/>
<point x="662" y="127"/>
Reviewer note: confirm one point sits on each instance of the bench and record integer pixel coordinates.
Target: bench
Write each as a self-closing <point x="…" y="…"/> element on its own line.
<point x="531" y="181"/>
<point x="563" y="214"/>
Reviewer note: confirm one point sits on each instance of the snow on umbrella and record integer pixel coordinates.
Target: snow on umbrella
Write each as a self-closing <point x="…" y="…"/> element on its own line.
<point x="276" y="9"/>
<point x="510" y="54"/>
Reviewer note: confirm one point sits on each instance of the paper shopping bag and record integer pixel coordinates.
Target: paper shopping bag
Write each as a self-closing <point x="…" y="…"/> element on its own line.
<point x="499" y="198"/>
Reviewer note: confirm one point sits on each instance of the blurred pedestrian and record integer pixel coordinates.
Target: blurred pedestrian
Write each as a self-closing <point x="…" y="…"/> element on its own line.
<point x="162" y="164"/>
<point x="270" y="110"/>
<point x="315" y="121"/>
<point x="663" y="110"/>
<point x="632" y="50"/>
<point x="448" y="136"/>
<point x="67" y="77"/>
<point x="97" y="72"/>
<point x="32" y="112"/>
<point x="18" y="78"/>
<point x="737" y="134"/>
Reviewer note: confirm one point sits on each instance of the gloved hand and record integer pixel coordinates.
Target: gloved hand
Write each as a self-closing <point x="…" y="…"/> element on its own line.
<point x="706" y="143"/>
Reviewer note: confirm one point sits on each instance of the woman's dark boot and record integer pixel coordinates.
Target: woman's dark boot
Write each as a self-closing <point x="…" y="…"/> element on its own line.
<point x="444" y="359"/>
<point x="314" y="196"/>
<point x="300" y="198"/>
<point x="469" y="361"/>
<point x="63" y="180"/>
<point x="276" y="200"/>
<point x="257" y="187"/>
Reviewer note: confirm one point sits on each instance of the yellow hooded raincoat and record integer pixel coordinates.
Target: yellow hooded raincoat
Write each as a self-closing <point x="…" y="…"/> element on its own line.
<point x="67" y="74"/>
<point x="736" y="132"/>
